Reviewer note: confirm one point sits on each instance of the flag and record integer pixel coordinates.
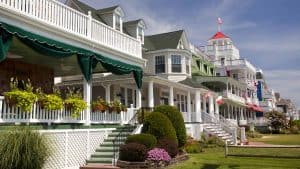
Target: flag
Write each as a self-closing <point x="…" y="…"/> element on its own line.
<point x="220" y="20"/>
<point x="219" y="100"/>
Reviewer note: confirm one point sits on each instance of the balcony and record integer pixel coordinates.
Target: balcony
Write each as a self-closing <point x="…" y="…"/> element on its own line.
<point x="55" y="14"/>
<point x="237" y="63"/>
<point x="234" y="97"/>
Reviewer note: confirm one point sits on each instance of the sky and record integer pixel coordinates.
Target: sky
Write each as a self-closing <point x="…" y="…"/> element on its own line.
<point x="267" y="32"/>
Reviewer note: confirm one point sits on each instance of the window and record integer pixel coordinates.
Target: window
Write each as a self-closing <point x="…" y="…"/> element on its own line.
<point x="218" y="74"/>
<point x="129" y="97"/>
<point x="176" y="63"/>
<point x="140" y="35"/>
<point x="187" y="67"/>
<point x="160" y="64"/>
<point x="118" y="22"/>
<point x="122" y="95"/>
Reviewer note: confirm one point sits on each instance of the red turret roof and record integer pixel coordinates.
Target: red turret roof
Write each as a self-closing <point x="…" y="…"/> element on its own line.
<point x="219" y="35"/>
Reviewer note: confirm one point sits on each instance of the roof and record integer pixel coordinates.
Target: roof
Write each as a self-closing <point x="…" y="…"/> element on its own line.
<point x="167" y="40"/>
<point x="109" y="9"/>
<point x="219" y="35"/>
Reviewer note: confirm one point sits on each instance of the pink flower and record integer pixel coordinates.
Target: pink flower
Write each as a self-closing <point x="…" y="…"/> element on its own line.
<point x="158" y="154"/>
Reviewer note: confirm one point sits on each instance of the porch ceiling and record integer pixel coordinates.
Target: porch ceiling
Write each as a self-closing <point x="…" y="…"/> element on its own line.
<point x="62" y="66"/>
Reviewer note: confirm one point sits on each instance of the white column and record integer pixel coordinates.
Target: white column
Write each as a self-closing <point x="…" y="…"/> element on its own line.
<point x="242" y="114"/>
<point x="216" y="109"/>
<point x="171" y="96"/>
<point x="138" y="98"/>
<point x="189" y="108"/>
<point x="150" y="95"/>
<point x="204" y="105"/>
<point x="211" y="105"/>
<point x="107" y="93"/>
<point x="198" y="106"/>
<point x="87" y="95"/>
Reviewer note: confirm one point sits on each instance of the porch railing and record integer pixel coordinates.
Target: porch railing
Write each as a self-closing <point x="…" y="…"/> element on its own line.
<point x="38" y="115"/>
<point x="61" y="16"/>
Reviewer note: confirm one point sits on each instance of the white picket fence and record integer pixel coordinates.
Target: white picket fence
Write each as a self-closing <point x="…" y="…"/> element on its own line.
<point x="63" y="17"/>
<point x="38" y="115"/>
<point x="70" y="148"/>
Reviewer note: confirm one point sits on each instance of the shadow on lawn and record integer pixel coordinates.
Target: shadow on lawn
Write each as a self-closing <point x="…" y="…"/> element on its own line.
<point x="215" y="166"/>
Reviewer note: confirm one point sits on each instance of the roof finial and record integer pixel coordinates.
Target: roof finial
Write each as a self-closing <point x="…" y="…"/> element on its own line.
<point x="219" y="21"/>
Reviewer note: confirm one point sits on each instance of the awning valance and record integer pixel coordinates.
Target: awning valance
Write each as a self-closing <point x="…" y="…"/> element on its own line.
<point x="87" y="60"/>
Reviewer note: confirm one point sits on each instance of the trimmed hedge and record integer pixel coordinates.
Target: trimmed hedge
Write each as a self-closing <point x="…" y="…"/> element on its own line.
<point x="133" y="152"/>
<point x="160" y="126"/>
<point x="169" y="145"/>
<point x="176" y="118"/>
<point x="147" y="140"/>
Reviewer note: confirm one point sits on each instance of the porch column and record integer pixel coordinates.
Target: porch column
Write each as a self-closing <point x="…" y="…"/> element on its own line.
<point x="211" y="105"/>
<point x="242" y="114"/>
<point x="198" y="106"/>
<point x="228" y="112"/>
<point x="150" y="95"/>
<point x="204" y="105"/>
<point x="171" y="96"/>
<point x="87" y="95"/>
<point x="138" y="98"/>
<point x="107" y="93"/>
<point x="217" y="111"/>
<point x="189" y="108"/>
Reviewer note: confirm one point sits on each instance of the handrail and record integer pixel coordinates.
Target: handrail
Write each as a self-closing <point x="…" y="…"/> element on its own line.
<point x="119" y="139"/>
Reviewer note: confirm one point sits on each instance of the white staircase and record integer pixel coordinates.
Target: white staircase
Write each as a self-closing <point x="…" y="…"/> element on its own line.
<point x="221" y="128"/>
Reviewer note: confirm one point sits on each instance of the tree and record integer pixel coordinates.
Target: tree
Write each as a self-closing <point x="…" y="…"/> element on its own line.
<point x="276" y="120"/>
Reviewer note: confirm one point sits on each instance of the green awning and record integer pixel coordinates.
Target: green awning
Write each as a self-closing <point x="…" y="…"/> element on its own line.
<point x="87" y="60"/>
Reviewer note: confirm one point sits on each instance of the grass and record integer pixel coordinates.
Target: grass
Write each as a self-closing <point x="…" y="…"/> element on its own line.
<point x="279" y="139"/>
<point x="214" y="159"/>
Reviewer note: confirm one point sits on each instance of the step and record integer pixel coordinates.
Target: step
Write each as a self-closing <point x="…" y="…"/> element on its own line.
<point x="98" y="166"/>
<point x="116" y="134"/>
<point x="100" y="160"/>
<point x="107" y="144"/>
<point x="103" y="155"/>
<point x="105" y="149"/>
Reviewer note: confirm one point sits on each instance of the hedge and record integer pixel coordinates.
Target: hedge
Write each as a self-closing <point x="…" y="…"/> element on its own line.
<point x="147" y="140"/>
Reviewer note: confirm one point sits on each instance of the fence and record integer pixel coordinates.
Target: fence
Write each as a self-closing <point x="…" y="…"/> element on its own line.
<point x="70" y="148"/>
<point x="38" y="115"/>
<point x="263" y="151"/>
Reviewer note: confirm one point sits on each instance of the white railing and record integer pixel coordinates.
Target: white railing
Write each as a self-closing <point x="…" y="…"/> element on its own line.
<point x="70" y="148"/>
<point x="234" y="97"/>
<point x="188" y="116"/>
<point x="59" y="15"/>
<point x="237" y="62"/>
<point x="38" y="115"/>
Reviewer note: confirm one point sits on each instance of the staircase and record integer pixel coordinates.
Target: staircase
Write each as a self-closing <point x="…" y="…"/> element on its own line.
<point x="105" y="152"/>
<point x="217" y="130"/>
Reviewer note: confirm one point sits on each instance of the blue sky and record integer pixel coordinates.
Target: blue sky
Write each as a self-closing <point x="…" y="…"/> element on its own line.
<point x="267" y="32"/>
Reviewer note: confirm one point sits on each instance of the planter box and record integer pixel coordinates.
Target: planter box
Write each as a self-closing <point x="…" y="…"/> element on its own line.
<point x="149" y="165"/>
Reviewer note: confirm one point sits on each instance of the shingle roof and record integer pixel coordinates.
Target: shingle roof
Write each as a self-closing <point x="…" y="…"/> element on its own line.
<point x="167" y="40"/>
<point x="109" y="9"/>
<point x="219" y="35"/>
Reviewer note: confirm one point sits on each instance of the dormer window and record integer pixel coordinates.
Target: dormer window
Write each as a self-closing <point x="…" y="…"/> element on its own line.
<point x="140" y="34"/>
<point x="118" y="22"/>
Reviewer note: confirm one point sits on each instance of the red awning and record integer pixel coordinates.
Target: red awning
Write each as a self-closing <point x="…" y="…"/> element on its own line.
<point x="254" y="107"/>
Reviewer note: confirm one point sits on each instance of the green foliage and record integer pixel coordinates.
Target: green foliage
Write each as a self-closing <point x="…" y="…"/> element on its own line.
<point x="22" y="148"/>
<point x="176" y="118"/>
<point x="192" y="146"/>
<point x="146" y="139"/>
<point x="160" y="126"/>
<point x="100" y="105"/>
<point x="142" y="115"/>
<point x="75" y="105"/>
<point x="53" y="102"/>
<point x="133" y="152"/>
<point x="169" y="145"/>
<point x="21" y="99"/>
<point x="276" y="120"/>
<point x="211" y="141"/>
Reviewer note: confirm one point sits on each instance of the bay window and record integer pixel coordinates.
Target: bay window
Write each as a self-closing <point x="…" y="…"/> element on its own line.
<point x="176" y="63"/>
<point x="160" y="64"/>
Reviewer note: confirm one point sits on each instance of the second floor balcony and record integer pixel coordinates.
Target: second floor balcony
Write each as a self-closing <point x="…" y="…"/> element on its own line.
<point x="238" y="63"/>
<point x="55" y="16"/>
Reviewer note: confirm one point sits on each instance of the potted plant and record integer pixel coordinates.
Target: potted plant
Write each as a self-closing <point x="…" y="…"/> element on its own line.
<point x="50" y="101"/>
<point x="100" y="105"/>
<point x="21" y="98"/>
<point x="74" y="102"/>
<point x="116" y="106"/>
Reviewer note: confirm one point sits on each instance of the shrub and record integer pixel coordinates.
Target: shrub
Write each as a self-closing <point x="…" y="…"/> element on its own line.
<point x="133" y="152"/>
<point x="169" y="145"/>
<point x="160" y="126"/>
<point x="276" y="120"/>
<point x="176" y="118"/>
<point x="147" y="140"/>
<point x="22" y="148"/>
<point x="192" y="146"/>
<point x="142" y="115"/>
<point x="158" y="154"/>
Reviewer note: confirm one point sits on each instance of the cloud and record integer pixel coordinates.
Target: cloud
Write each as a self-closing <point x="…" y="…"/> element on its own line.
<point x="286" y="82"/>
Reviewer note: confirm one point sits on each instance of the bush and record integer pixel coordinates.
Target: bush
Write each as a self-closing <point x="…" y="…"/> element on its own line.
<point x="22" y="148"/>
<point x="160" y="126"/>
<point x="211" y="141"/>
<point x="133" y="152"/>
<point x="147" y="140"/>
<point x="142" y="117"/>
<point x="192" y="146"/>
<point x="176" y="118"/>
<point x="158" y="154"/>
<point x="169" y="145"/>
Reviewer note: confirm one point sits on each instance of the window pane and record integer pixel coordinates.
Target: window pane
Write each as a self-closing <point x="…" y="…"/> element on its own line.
<point x="159" y="64"/>
<point x="176" y="63"/>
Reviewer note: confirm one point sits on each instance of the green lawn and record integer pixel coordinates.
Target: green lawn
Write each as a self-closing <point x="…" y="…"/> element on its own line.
<point x="280" y="139"/>
<point x="214" y="159"/>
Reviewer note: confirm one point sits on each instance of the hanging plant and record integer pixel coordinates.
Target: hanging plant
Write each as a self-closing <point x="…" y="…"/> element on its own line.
<point x="100" y="105"/>
<point x="75" y="103"/>
<point x="116" y="106"/>
<point x="23" y="99"/>
<point x="50" y="101"/>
